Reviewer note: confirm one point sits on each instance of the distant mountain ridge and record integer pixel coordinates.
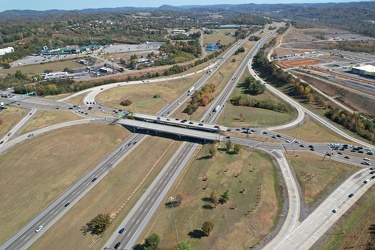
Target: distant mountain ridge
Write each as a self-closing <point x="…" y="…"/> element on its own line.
<point x="250" y="8"/>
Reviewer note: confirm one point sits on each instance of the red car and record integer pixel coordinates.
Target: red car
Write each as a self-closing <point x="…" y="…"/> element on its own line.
<point x="347" y="157"/>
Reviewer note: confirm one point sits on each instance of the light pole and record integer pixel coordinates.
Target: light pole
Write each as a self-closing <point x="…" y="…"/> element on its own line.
<point x="171" y="199"/>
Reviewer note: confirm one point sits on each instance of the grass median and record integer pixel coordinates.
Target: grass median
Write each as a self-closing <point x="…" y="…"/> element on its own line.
<point x="248" y="216"/>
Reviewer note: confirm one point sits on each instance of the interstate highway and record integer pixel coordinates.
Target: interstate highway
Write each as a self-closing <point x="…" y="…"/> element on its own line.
<point x="57" y="209"/>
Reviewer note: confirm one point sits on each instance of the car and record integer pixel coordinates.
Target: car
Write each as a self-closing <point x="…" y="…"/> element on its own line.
<point x="366" y="159"/>
<point x="265" y="132"/>
<point x="238" y="129"/>
<point x="297" y="142"/>
<point x="1" y="142"/>
<point x="366" y="181"/>
<point x="39" y="228"/>
<point x="134" y="143"/>
<point x="288" y="141"/>
<point x="274" y="137"/>
<point x="177" y="119"/>
<point x="168" y="119"/>
<point x="312" y="149"/>
<point x="328" y="154"/>
<point x="372" y="172"/>
<point x="216" y="126"/>
<point x="70" y="108"/>
<point x="29" y="135"/>
<point x="370" y="153"/>
<point x="301" y="146"/>
<point x="94" y="179"/>
<point x="373" y="177"/>
<point x="101" y="88"/>
<point x="191" y="123"/>
<point x="9" y="134"/>
<point x="351" y="195"/>
<point x="335" y="210"/>
<point x="121" y="230"/>
<point x="67" y="204"/>
<point x="311" y="146"/>
<point x="365" y="163"/>
<point x="339" y="153"/>
<point x="229" y="130"/>
<point x="278" y="136"/>
<point x="117" y="245"/>
<point x="346" y="157"/>
<point x="228" y="137"/>
<point x="360" y="151"/>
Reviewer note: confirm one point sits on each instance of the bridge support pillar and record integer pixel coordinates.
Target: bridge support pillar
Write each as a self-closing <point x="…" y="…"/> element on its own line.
<point x="179" y="136"/>
<point x="156" y="132"/>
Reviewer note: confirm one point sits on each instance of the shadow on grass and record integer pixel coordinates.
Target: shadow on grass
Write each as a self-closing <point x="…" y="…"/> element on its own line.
<point x="207" y="206"/>
<point x="196" y="234"/>
<point x="206" y="157"/>
<point x="206" y="199"/>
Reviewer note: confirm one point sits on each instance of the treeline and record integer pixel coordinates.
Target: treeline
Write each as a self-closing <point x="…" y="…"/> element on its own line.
<point x="279" y="78"/>
<point x="200" y="97"/>
<point x="192" y="36"/>
<point x="355" y="122"/>
<point x="255" y="87"/>
<point x="245" y="100"/>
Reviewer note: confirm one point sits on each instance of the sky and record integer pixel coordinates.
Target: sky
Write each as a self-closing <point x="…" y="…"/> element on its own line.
<point x="85" y="4"/>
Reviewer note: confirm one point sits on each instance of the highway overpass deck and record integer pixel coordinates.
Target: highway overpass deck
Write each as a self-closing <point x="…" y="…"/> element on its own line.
<point x="179" y="122"/>
<point x="180" y="131"/>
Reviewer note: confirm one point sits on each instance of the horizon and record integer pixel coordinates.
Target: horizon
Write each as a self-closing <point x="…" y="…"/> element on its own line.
<point x="43" y="5"/>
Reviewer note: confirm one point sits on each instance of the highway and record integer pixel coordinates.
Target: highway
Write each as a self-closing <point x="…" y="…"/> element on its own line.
<point x="138" y="218"/>
<point x="127" y="223"/>
<point x="26" y="236"/>
<point x="323" y="217"/>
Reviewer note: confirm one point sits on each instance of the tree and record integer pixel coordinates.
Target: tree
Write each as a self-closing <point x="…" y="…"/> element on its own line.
<point x="152" y="242"/>
<point x="207" y="227"/>
<point x="241" y="116"/>
<point x="228" y="145"/>
<point x="225" y="197"/>
<point x="184" y="245"/>
<point x="98" y="225"/>
<point x="212" y="151"/>
<point x="237" y="148"/>
<point x="214" y="198"/>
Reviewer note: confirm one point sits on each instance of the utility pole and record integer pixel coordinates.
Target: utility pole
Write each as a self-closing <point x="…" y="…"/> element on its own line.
<point x="171" y="199"/>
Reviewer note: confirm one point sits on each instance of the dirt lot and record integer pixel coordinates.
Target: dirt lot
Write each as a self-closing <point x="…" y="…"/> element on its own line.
<point x="296" y="63"/>
<point x="238" y="224"/>
<point x="37" y="171"/>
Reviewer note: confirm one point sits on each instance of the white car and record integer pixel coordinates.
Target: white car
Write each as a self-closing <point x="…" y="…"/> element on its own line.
<point x="366" y="159"/>
<point x="366" y="181"/>
<point x="39" y="228"/>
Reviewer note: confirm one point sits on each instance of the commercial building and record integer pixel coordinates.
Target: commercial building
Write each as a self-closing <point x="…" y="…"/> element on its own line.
<point x="366" y="70"/>
<point x="6" y="51"/>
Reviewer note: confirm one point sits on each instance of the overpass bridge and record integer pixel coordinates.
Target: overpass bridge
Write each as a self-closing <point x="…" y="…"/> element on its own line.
<point x="177" y="130"/>
<point x="178" y="122"/>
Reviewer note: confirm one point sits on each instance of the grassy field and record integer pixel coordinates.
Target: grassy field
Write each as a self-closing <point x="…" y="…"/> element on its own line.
<point x="9" y="117"/>
<point x="37" y="171"/>
<point x="238" y="224"/>
<point x="357" y="230"/>
<point x="219" y="35"/>
<point x="110" y="196"/>
<point x="142" y="95"/>
<point x="315" y="176"/>
<point x="45" y="118"/>
<point x="39" y="68"/>
<point x="253" y="117"/>
<point x="313" y="131"/>
<point x="77" y="100"/>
